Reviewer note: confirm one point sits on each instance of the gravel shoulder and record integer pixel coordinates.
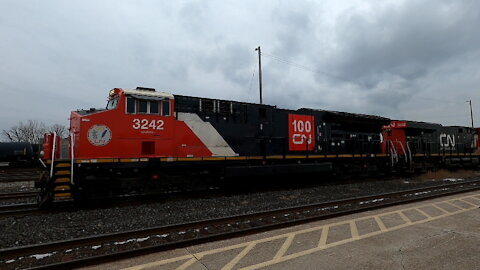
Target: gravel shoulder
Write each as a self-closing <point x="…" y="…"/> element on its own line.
<point x="68" y="224"/>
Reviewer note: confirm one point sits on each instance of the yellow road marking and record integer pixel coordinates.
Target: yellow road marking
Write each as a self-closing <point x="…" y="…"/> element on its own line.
<point x="380" y="224"/>
<point x="285" y="246"/>
<point x="322" y="244"/>
<point x="439" y="208"/>
<point x="467" y="202"/>
<point x="404" y="217"/>
<point x="423" y="213"/>
<point x="187" y="264"/>
<point x="323" y="237"/>
<point x="310" y="251"/>
<point x="237" y="258"/>
<point x="353" y="229"/>
<point x="452" y="204"/>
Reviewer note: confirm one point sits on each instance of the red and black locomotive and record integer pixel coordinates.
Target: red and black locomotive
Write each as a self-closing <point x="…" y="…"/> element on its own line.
<point x="146" y="140"/>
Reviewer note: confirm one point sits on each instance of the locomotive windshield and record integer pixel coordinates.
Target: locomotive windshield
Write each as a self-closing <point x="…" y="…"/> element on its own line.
<point x="112" y="103"/>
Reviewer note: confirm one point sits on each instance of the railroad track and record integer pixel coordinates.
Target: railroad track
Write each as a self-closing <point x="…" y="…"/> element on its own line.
<point x="13" y="209"/>
<point x="18" y="195"/>
<point x="75" y="252"/>
<point x="19" y="175"/>
<point x="18" y="209"/>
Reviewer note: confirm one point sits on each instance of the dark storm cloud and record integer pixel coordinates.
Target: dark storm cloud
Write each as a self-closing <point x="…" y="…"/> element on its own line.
<point x="232" y="60"/>
<point x="294" y="29"/>
<point x="405" y="40"/>
<point x="389" y="57"/>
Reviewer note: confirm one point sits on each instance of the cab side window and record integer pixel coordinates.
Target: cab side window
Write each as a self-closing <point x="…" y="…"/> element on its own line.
<point x="154" y="107"/>
<point x="142" y="106"/>
<point x="130" y="105"/>
<point x="139" y="106"/>
<point x="166" y="107"/>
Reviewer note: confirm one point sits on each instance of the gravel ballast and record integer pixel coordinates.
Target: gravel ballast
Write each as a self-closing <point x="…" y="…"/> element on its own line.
<point x="41" y="228"/>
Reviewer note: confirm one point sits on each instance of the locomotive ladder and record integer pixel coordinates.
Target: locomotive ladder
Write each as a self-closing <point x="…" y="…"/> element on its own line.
<point x="61" y="181"/>
<point x="62" y="175"/>
<point x="58" y="186"/>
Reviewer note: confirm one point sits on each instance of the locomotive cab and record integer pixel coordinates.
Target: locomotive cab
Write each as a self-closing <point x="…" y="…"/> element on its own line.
<point x="135" y="123"/>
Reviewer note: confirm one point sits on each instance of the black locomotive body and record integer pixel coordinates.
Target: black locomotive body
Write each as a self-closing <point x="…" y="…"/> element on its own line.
<point x="263" y="130"/>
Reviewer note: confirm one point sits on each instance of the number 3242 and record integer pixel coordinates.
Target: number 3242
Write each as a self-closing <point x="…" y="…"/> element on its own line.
<point x="145" y="124"/>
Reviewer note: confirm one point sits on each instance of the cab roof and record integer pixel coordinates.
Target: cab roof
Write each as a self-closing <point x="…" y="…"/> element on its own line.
<point x="148" y="93"/>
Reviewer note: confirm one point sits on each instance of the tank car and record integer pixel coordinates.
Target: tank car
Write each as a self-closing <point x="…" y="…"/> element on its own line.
<point x="18" y="154"/>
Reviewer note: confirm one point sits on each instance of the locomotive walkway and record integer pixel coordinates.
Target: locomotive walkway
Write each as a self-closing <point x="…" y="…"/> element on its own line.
<point x="441" y="233"/>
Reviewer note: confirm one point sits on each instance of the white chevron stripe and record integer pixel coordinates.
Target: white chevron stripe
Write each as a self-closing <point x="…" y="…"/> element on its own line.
<point x="207" y="134"/>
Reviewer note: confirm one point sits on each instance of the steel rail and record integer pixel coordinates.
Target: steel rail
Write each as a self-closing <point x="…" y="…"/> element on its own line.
<point x="68" y="253"/>
<point x="18" y="209"/>
<point x="18" y="195"/>
<point x="19" y="175"/>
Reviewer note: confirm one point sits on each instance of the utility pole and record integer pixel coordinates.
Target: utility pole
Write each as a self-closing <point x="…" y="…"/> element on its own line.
<point x="260" y="72"/>
<point x="471" y="111"/>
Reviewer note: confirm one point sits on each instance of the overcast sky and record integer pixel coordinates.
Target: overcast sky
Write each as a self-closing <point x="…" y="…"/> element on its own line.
<point x="416" y="60"/>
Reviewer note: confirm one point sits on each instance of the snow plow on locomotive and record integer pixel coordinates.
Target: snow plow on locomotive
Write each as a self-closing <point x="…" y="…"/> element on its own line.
<point x="145" y="141"/>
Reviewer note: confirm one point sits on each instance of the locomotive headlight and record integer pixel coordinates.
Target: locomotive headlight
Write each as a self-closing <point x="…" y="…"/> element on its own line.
<point x="41" y="154"/>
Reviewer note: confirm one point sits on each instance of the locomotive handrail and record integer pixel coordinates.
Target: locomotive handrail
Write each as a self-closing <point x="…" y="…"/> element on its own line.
<point x="43" y="163"/>
<point x="393" y="152"/>
<point x="54" y="149"/>
<point x="410" y="156"/>
<point x="72" y="156"/>
<point x="403" y="148"/>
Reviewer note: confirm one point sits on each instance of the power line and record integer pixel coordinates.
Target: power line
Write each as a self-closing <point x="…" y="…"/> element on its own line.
<point x="310" y="69"/>
<point x="314" y="70"/>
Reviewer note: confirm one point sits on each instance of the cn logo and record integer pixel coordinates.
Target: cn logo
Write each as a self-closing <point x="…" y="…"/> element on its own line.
<point x="301" y="132"/>
<point x="447" y="141"/>
<point x="301" y="139"/>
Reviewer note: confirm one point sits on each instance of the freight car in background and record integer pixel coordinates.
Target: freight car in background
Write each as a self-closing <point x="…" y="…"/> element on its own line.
<point x="146" y="140"/>
<point x="19" y="154"/>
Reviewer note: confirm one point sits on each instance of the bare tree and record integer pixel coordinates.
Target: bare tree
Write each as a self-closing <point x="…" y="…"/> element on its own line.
<point x="61" y="130"/>
<point x="32" y="131"/>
